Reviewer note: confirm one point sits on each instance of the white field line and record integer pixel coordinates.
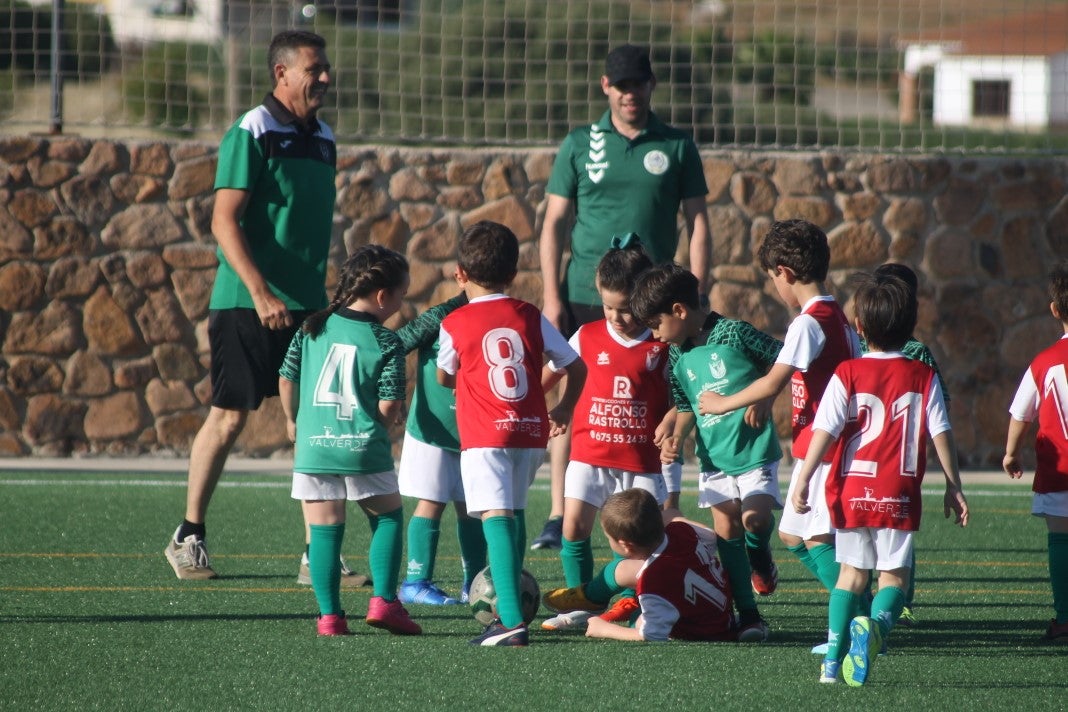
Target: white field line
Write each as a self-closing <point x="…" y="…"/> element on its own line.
<point x="285" y="484"/>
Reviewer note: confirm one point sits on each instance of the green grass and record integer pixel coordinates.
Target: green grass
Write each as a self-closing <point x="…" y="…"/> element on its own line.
<point x="92" y="617"/>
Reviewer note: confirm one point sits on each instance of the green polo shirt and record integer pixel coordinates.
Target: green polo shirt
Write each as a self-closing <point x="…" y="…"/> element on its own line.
<point x="619" y="185"/>
<point x="288" y="171"/>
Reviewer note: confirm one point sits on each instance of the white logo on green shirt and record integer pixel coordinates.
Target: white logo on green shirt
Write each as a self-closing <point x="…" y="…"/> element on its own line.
<point x="597" y="166"/>
<point x="656" y="162"/>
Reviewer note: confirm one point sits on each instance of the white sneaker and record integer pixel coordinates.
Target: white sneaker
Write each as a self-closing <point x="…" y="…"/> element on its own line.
<point x="575" y="620"/>
<point x="189" y="558"/>
<point x="349" y="578"/>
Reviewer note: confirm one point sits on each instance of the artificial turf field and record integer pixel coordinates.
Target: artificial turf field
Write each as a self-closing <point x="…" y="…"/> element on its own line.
<point x="91" y="617"/>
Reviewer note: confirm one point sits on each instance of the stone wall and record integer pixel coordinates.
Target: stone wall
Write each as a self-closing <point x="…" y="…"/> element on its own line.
<point x="107" y="261"/>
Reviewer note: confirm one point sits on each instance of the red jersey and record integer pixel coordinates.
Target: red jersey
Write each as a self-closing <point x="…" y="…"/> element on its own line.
<point x="875" y="477"/>
<point x="809" y="381"/>
<point x="1044" y="392"/>
<point x="625" y="397"/>
<point x="683" y="591"/>
<point x="498" y="344"/>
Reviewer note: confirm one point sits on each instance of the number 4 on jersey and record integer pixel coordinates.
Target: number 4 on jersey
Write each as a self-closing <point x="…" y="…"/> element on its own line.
<point x="335" y="387"/>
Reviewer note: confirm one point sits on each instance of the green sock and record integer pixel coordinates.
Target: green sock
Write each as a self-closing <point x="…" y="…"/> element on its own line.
<point x="423" y="535"/>
<point x="762" y="539"/>
<point x="1058" y="573"/>
<point x="384" y="556"/>
<point x="886" y="608"/>
<point x="736" y="563"/>
<point x="505" y="567"/>
<point x="577" y="560"/>
<point x="803" y="555"/>
<point x="472" y="547"/>
<point x="324" y="565"/>
<point x="603" y="586"/>
<point x="839" y="614"/>
<point x="824" y="564"/>
<point x="910" y="594"/>
<point x="520" y="535"/>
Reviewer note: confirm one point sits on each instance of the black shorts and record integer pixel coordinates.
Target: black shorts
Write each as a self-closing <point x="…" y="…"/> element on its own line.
<point x="246" y="356"/>
<point x="579" y="314"/>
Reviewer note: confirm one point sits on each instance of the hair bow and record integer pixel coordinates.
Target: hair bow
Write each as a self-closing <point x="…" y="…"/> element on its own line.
<point x="622" y="242"/>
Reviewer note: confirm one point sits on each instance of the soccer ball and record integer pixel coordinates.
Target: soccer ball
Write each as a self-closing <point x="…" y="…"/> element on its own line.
<point x="483" y="597"/>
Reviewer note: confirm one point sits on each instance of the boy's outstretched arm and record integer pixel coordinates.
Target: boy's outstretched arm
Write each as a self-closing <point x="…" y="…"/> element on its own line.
<point x="560" y="416"/>
<point x="767" y="386"/>
<point x="672" y="444"/>
<point x="598" y="627"/>
<point x="817" y="448"/>
<point x="954" y="499"/>
<point x="1011" y="462"/>
<point x="446" y="379"/>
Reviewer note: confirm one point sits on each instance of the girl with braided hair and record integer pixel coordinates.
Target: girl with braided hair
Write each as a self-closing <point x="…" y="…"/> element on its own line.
<point x="342" y="385"/>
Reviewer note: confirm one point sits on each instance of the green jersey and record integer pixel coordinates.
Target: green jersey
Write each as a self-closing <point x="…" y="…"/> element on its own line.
<point x="619" y="185"/>
<point x="342" y="374"/>
<point x="288" y="172"/>
<point x="726" y="357"/>
<point x="432" y="417"/>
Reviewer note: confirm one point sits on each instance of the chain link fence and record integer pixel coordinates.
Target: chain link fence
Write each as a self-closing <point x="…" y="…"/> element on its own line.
<point x="887" y="75"/>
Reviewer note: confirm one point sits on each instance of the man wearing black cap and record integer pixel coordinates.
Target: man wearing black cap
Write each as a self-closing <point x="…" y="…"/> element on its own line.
<point x="629" y="172"/>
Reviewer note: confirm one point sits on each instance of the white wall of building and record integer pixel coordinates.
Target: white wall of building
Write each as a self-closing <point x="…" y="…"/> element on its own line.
<point x="144" y="21"/>
<point x="1058" y="89"/>
<point x="1029" y="96"/>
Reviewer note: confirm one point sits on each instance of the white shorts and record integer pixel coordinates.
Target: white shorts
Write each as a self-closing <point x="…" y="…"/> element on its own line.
<point x="1053" y="504"/>
<point x="429" y="472"/>
<point x="716" y="488"/>
<point x="497" y="477"/>
<point x="350" y="487"/>
<point x="817" y="520"/>
<point x="868" y="548"/>
<point x="594" y="485"/>
<point x="673" y="477"/>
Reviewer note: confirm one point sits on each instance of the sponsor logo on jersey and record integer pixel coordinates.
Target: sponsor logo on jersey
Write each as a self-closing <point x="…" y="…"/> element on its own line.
<point x="597" y="166"/>
<point x="622" y="387"/>
<point x="656" y="162"/>
<point x="690" y="374"/>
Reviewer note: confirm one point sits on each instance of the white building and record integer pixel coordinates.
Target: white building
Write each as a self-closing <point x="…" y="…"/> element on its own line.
<point x="1004" y="72"/>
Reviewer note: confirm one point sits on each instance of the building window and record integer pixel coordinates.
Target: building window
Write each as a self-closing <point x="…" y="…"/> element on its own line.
<point x="990" y="98"/>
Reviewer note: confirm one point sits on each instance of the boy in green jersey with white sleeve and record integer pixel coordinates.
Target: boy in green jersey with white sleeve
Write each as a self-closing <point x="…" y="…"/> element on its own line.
<point x="429" y="467"/>
<point x="739" y="452"/>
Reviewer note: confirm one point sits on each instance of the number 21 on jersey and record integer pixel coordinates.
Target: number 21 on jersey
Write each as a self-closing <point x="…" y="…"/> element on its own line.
<point x="874" y="417"/>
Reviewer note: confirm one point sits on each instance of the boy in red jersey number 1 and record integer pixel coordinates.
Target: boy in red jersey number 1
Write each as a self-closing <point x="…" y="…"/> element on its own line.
<point x="1043" y="394"/>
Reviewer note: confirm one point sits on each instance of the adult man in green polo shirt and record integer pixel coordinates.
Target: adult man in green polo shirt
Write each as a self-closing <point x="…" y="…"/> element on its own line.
<point x="272" y="219"/>
<point x="629" y="172"/>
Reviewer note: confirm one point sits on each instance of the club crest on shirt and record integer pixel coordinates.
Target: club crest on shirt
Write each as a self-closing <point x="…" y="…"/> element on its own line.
<point x="652" y="358"/>
<point x="602" y="359"/>
<point x="656" y="162"/>
<point x="717" y="367"/>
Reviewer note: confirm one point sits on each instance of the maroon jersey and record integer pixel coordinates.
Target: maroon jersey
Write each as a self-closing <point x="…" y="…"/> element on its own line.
<point x="624" y="399"/>
<point x="874" y="479"/>
<point x="1044" y="392"/>
<point x="498" y="344"/>
<point x="807" y="384"/>
<point x="683" y="591"/>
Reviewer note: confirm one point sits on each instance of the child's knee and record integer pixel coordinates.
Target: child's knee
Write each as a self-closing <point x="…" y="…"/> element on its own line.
<point x="756" y="520"/>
